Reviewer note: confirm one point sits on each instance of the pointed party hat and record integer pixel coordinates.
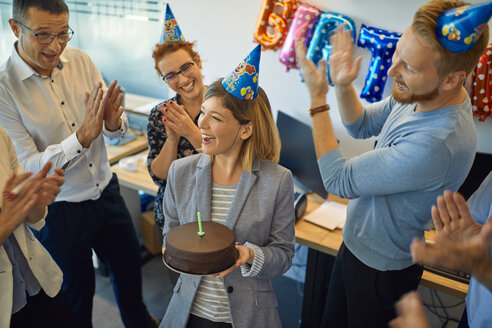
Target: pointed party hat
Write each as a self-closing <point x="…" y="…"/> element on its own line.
<point x="171" y="31"/>
<point x="458" y="29"/>
<point x="242" y="83"/>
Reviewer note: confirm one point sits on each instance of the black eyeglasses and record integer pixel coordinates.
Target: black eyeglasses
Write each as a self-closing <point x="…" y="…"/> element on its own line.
<point x="47" y="38"/>
<point x="173" y="76"/>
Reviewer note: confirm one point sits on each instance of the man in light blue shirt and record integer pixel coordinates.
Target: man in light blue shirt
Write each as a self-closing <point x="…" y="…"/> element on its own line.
<point x="426" y="143"/>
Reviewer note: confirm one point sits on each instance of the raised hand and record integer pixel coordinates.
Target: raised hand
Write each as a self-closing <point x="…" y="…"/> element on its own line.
<point x="16" y="205"/>
<point x="49" y="185"/>
<point x="314" y="77"/>
<point x="471" y="255"/>
<point x="461" y="243"/>
<point x="343" y="67"/>
<point x="172" y="135"/>
<point x="93" y="118"/>
<point x="452" y="217"/>
<point x="112" y="106"/>
<point x="177" y="118"/>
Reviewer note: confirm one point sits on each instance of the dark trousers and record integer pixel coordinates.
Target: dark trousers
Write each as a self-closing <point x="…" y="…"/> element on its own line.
<point x="198" y="322"/>
<point x="73" y="229"/>
<point x="44" y="311"/>
<point x="464" y="320"/>
<point x="360" y="296"/>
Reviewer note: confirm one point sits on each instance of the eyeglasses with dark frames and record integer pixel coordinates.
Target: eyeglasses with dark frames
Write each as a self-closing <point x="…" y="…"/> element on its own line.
<point x="47" y="38"/>
<point x="173" y="76"/>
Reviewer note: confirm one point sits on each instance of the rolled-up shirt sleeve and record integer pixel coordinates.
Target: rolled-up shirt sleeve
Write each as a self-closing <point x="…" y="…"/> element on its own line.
<point x="254" y="269"/>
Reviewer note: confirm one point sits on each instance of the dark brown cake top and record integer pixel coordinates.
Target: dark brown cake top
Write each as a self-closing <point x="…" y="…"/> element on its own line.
<point x="217" y="237"/>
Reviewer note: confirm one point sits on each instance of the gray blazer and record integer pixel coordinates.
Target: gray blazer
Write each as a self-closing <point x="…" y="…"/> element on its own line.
<point x="262" y="213"/>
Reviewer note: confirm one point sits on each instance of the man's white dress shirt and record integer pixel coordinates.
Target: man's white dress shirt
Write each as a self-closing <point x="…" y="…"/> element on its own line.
<point x="42" y="114"/>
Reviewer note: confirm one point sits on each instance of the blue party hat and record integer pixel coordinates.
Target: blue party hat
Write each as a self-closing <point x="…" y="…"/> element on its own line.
<point x="242" y="83"/>
<point x="458" y="29"/>
<point x="171" y="31"/>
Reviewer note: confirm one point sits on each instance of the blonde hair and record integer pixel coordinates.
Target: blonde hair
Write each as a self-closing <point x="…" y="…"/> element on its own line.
<point x="264" y="142"/>
<point x="424" y="24"/>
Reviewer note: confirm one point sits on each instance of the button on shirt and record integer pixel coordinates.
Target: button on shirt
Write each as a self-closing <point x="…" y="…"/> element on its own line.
<point x="23" y="278"/>
<point x="42" y="115"/>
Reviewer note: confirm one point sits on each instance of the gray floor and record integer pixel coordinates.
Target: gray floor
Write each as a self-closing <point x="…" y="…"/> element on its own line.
<point x="157" y="291"/>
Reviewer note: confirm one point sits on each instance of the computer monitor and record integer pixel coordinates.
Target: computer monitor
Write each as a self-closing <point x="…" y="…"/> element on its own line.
<point x="298" y="154"/>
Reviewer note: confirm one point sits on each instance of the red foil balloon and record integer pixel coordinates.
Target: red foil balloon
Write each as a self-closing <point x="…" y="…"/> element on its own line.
<point x="273" y="22"/>
<point x="482" y="86"/>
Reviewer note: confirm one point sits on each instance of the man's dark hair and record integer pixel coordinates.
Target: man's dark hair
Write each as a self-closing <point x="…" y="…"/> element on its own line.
<point x="21" y="7"/>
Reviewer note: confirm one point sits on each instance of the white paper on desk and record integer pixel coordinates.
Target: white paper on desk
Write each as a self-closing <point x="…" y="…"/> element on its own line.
<point x="329" y="215"/>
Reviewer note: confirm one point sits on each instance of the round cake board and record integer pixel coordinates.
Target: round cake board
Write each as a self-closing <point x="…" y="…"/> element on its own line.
<point x="195" y="274"/>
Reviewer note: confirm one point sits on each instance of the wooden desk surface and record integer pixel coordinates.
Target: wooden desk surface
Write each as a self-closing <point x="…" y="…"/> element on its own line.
<point x="329" y="242"/>
<point x="138" y="180"/>
<point x="115" y="153"/>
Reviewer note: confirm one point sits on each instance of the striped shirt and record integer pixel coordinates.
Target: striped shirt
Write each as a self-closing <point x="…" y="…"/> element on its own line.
<point x="211" y="301"/>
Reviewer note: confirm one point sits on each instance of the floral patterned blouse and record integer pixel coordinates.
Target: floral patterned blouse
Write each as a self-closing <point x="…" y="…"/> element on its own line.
<point x="156" y="134"/>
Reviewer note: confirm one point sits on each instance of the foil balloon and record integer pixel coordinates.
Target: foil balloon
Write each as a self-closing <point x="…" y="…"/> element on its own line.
<point x="458" y="29"/>
<point x="320" y="46"/>
<point x="482" y="86"/>
<point x="303" y="23"/>
<point x="382" y="45"/>
<point x="273" y="22"/>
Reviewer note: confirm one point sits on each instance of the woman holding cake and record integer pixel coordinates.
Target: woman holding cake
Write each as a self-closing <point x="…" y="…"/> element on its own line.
<point x="237" y="183"/>
<point x="172" y="130"/>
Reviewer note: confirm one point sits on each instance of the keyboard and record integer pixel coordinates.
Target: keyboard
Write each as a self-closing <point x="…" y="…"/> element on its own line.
<point x="458" y="276"/>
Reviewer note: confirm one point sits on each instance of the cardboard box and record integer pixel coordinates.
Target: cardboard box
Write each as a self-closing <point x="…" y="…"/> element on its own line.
<point x="151" y="233"/>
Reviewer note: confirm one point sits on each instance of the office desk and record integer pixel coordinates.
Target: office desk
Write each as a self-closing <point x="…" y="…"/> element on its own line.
<point x="329" y="242"/>
<point x="138" y="180"/>
<point x="115" y="153"/>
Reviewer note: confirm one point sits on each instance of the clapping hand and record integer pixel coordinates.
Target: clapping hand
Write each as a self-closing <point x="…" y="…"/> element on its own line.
<point x="23" y="193"/>
<point x="177" y="118"/>
<point x="172" y="135"/>
<point x="16" y="204"/>
<point x="461" y="243"/>
<point x="50" y="186"/>
<point x="93" y="119"/>
<point x="314" y="77"/>
<point x="112" y="106"/>
<point x="343" y="67"/>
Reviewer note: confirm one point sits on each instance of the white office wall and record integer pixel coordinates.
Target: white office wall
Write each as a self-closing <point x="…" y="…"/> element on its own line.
<point x="224" y="32"/>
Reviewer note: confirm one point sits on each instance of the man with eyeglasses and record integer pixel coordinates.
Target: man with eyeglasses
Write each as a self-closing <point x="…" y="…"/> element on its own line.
<point x="53" y="106"/>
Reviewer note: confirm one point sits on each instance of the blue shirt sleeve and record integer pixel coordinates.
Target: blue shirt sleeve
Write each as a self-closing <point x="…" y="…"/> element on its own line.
<point x="414" y="162"/>
<point x="480" y="203"/>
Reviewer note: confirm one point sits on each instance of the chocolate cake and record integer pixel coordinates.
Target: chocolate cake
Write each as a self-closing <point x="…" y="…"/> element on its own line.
<point x="212" y="253"/>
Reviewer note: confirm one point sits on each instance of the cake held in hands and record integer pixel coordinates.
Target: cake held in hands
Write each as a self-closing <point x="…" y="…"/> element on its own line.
<point x="211" y="253"/>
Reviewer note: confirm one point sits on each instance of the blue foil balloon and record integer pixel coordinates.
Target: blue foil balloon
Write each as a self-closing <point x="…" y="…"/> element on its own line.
<point x="320" y="46"/>
<point x="458" y="29"/>
<point x="382" y="45"/>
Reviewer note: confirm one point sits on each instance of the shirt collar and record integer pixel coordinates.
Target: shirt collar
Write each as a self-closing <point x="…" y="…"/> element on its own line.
<point x="24" y="70"/>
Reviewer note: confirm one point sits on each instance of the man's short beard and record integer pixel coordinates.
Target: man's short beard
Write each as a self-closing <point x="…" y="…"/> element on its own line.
<point x="408" y="98"/>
